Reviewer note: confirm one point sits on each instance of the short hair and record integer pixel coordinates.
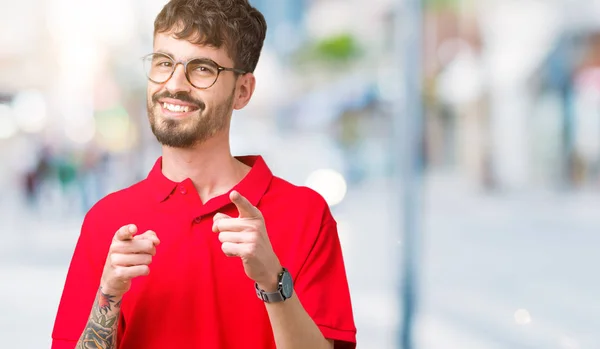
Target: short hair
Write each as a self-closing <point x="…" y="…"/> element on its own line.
<point x="234" y="24"/>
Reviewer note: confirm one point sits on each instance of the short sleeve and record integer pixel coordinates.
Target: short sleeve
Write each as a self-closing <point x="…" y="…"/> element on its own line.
<point x="322" y="288"/>
<point x="80" y="289"/>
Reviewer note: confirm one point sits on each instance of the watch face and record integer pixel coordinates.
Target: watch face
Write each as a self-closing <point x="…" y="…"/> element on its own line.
<point x="287" y="286"/>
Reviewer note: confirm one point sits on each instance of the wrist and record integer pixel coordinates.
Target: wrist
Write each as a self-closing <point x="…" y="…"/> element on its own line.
<point x="271" y="282"/>
<point x="283" y="290"/>
<point x="109" y="291"/>
<point x="270" y="286"/>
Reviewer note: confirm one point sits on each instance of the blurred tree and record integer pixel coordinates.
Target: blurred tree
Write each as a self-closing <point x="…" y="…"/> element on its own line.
<point x="338" y="49"/>
<point x="444" y="4"/>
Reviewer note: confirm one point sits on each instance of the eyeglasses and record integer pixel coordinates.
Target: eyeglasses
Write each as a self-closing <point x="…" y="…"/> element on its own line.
<point x="201" y="73"/>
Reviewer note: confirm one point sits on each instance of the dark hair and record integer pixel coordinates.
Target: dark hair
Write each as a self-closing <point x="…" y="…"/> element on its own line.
<point x="235" y="24"/>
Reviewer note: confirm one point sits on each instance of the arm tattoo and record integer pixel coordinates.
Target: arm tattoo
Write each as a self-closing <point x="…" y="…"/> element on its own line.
<point x="101" y="329"/>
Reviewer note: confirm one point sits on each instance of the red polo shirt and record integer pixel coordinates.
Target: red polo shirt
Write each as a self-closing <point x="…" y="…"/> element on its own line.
<point x="195" y="296"/>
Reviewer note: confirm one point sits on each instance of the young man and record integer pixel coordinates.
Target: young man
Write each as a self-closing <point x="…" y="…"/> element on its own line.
<point x="210" y="250"/>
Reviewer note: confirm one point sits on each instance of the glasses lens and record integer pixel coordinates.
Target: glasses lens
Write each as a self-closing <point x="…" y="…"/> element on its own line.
<point x="202" y="73"/>
<point x="158" y="67"/>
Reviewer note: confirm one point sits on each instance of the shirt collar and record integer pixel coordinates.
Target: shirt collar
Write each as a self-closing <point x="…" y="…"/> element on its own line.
<point x="253" y="186"/>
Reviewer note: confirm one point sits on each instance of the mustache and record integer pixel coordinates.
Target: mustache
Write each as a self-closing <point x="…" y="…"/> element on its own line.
<point x="182" y="96"/>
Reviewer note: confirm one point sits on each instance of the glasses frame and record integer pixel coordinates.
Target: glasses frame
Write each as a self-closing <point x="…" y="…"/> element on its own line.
<point x="185" y="71"/>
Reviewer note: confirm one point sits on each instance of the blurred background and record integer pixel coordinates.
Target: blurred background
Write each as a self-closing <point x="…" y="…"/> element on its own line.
<point x="505" y="191"/>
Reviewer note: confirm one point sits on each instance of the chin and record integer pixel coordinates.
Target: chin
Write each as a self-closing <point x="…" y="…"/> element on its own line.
<point x="173" y="140"/>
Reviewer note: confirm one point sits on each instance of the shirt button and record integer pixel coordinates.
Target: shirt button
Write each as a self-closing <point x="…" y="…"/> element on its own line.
<point x="198" y="219"/>
<point x="182" y="190"/>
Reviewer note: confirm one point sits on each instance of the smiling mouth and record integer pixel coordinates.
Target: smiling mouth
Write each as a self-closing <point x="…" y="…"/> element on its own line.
<point x="177" y="108"/>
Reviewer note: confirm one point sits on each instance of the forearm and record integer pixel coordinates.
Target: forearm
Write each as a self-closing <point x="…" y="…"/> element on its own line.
<point x="101" y="329"/>
<point x="293" y="327"/>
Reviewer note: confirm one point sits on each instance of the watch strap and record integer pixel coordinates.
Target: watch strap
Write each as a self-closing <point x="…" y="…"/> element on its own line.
<point x="269" y="297"/>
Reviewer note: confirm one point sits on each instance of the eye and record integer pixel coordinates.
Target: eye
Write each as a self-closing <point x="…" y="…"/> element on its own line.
<point x="205" y="69"/>
<point x="162" y="63"/>
<point x="202" y="68"/>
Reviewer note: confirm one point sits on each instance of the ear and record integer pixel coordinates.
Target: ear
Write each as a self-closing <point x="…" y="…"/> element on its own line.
<point x="245" y="88"/>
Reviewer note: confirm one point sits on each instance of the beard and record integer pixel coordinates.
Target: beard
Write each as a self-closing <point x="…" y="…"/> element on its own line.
<point x="192" y="130"/>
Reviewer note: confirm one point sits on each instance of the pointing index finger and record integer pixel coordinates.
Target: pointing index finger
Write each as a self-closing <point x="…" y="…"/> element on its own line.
<point x="148" y="235"/>
<point x="245" y="208"/>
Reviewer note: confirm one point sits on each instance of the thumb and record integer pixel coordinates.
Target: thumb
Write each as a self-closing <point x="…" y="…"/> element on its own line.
<point x="245" y="208"/>
<point x="126" y="232"/>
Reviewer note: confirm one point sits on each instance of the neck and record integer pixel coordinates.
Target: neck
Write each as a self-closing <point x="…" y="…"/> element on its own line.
<point x="210" y="166"/>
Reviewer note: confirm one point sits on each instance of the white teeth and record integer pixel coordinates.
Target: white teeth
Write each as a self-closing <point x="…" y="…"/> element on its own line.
<point x="176" y="107"/>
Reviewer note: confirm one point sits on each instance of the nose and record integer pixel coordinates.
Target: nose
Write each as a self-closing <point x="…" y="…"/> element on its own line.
<point x="178" y="82"/>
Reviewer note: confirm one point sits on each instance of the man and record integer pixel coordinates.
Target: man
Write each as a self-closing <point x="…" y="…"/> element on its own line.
<point x="210" y="250"/>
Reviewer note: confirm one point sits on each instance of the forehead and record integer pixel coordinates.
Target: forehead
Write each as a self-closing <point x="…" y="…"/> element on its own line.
<point x="182" y="49"/>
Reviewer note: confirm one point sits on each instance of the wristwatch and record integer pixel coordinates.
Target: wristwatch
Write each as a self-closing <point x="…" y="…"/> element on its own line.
<point x="285" y="289"/>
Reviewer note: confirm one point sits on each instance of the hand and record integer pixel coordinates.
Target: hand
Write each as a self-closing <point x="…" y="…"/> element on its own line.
<point x="246" y="237"/>
<point x="128" y="257"/>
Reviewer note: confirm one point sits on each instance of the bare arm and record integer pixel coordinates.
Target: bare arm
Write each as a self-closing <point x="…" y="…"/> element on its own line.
<point x="293" y="327"/>
<point x="128" y="257"/>
<point x="101" y="329"/>
<point x="246" y="237"/>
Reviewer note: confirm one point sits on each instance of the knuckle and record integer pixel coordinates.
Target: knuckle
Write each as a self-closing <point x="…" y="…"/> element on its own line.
<point x="148" y="245"/>
<point x="120" y="273"/>
<point x="114" y="259"/>
<point x="118" y="246"/>
<point x="251" y="251"/>
<point x="253" y="238"/>
<point x="141" y="245"/>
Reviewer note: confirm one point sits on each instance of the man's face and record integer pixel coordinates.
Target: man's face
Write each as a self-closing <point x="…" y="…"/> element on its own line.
<point x="181" y="115"/>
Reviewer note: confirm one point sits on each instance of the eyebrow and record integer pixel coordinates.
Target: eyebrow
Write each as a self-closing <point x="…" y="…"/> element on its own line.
<point x="187" y="59"/>
<point x="164" y="52"/>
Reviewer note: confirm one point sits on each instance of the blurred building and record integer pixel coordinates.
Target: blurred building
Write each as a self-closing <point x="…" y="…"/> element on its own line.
<point x="501" y="113"/>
